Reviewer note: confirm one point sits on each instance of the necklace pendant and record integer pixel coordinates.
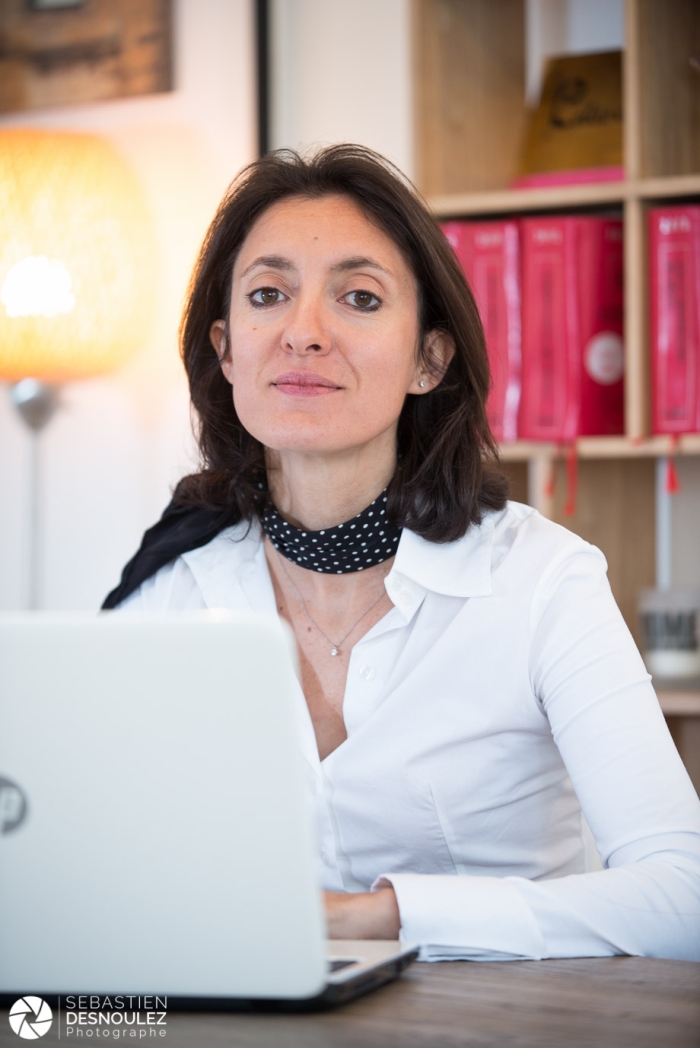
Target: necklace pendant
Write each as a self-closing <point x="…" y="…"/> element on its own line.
<point x="335" y="651"/>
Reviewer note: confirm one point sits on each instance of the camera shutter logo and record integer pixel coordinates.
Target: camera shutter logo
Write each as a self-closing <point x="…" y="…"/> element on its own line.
<point x="13" y="805"/>
<point x="31" y="1018"/>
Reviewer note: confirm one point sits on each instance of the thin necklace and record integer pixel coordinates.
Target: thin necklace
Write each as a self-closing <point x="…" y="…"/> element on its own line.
<point x="335" y="647"/>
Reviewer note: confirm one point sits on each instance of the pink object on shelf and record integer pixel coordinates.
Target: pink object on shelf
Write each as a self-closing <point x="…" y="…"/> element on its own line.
<point x="489" y="253"/>
<point x="573" y="356"/>
<point x="674" y="263"/>
<point x="601" y="311"/>
<point x="575" y="177"/>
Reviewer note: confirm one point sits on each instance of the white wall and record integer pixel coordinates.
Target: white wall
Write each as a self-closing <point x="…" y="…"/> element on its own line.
<point x="119" y="443"/>
<point x="342" y="73"/>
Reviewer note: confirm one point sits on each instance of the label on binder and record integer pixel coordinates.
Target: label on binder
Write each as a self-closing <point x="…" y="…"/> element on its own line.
<point x="674" y="251"/>
<point x="489" y="253"/>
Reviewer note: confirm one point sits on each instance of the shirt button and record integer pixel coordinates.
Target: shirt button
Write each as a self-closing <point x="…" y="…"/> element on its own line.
<point x="367" y="673"/>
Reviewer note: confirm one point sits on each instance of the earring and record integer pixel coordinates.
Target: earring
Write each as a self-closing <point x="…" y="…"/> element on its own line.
<point x="422" y="384"/>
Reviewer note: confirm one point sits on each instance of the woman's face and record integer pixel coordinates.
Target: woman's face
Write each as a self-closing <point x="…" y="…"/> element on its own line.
<point x="323" y="329"/>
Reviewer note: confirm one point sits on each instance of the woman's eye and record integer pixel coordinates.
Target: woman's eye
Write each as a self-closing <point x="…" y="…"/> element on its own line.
<point x="364" y="300"/>
<point x="265" y="296"/>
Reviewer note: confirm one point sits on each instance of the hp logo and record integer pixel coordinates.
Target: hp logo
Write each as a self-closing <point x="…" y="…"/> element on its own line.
<point x="13" y="806"/>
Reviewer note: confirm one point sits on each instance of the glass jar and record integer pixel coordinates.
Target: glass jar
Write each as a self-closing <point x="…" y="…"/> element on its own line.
<point x="670" y="621"/>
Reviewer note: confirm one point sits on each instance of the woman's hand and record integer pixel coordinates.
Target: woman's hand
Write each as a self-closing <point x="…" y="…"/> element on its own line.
<point x="362" y="915"/>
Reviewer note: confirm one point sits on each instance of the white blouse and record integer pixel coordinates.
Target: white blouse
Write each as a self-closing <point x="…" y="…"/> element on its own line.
<point x="500" y="697"/>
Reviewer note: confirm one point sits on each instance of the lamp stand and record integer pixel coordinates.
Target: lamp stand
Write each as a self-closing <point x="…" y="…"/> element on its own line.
<point x="36" y="402"/>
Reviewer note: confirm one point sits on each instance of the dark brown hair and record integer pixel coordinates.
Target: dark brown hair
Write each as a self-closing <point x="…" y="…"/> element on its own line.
<point x="445" y="475"/>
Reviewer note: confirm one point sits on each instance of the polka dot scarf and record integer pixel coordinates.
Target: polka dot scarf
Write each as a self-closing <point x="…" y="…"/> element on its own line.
<point x="355" y="544"/>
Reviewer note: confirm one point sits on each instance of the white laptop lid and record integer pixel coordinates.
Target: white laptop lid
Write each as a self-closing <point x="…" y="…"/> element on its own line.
<point x="167" y="845"/>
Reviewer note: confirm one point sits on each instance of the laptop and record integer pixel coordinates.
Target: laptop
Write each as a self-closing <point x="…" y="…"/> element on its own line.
<point x="156" y="833"/>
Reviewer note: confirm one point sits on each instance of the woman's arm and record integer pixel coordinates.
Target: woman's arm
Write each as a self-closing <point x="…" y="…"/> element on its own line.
<point x="634" y="791"/>
<point x="362" y="915"/>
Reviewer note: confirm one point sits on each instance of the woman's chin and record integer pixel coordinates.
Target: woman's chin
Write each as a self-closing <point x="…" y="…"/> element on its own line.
<point x="329" y="432"/>
<point x="291" y="441"/>
<point x="291" y="444"/>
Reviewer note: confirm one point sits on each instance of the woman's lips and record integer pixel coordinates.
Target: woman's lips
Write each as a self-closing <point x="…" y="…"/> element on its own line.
<point x="304" y="384"/>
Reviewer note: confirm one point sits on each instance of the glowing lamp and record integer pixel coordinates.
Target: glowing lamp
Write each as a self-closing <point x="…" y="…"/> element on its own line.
<point x="75" y="262"/>
<point x="74" y="247"/>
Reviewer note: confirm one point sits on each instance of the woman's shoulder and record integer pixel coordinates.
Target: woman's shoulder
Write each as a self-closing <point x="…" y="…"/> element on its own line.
<point x="528" y="535"/>
<point x="538" y="553"/>
<point x="183" y="583"/>
<point x="524" y="524"/>
<point x="518" y="529"/>
<point x="515" y="547"/>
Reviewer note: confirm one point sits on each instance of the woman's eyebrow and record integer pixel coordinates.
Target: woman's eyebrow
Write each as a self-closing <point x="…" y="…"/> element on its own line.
<point x="345" y="266"/>
<point x="270" y="262"/>
<point x="359" y="262"/>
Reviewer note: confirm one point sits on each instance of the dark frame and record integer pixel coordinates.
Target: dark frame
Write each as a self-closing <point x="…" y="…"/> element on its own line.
<point x="262" y="49"/>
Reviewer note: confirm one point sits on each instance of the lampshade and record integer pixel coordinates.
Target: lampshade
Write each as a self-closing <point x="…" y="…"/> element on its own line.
<point x="75" y="257"/>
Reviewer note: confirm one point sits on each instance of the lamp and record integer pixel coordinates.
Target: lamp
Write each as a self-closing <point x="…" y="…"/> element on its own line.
<point x="75" y="258"/>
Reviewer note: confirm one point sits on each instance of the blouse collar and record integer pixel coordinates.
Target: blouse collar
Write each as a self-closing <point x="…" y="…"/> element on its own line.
<point x="455" y="569"/>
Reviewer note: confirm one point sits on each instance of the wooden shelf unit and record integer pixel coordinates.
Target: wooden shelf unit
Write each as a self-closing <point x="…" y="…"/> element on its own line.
<point x="471" y="115"/>
<point x="470" y="118"/>
<point x="605" y="448"/>
<point x="522" y="201"/>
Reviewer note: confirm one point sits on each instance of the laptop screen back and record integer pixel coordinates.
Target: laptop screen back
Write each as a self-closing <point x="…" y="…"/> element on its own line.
<point x="156" y="836"/>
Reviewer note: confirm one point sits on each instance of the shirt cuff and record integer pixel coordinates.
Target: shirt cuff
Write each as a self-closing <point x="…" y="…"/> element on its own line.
<point x="464" y="918"/>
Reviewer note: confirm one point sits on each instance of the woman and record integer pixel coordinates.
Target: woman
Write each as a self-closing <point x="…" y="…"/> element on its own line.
<point x="470" y="684"/>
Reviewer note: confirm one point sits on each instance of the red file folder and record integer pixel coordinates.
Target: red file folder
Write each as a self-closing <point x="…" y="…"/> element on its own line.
<point x="601" y="306"/>
<point x="489" y="253"/>
<point x="572" y="348"/>
<point x="674" y="243"/>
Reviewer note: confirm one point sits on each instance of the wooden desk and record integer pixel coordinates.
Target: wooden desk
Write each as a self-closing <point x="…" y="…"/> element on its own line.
<point x="617" y="1002"/>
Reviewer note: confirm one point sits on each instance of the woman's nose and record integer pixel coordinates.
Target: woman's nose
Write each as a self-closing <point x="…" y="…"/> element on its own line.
<point x="306" y="330"/>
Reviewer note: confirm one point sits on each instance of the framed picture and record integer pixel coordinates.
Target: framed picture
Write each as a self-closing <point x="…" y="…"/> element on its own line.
<point x="63" y="52"/>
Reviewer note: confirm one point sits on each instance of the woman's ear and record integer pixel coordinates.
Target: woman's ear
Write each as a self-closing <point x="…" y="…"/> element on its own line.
<point x="219" y="340"/>
<point x="438" y="351"/>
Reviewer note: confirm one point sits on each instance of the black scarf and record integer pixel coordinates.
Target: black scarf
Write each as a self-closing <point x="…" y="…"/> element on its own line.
<point x="179" y="530"/>
<point x="356" y="544"/>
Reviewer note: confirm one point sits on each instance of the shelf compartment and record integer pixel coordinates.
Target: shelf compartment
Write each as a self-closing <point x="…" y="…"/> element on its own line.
<point x="471" y="116"/>
<point x="662" y="37"/>
<point x="469" y="70"/>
